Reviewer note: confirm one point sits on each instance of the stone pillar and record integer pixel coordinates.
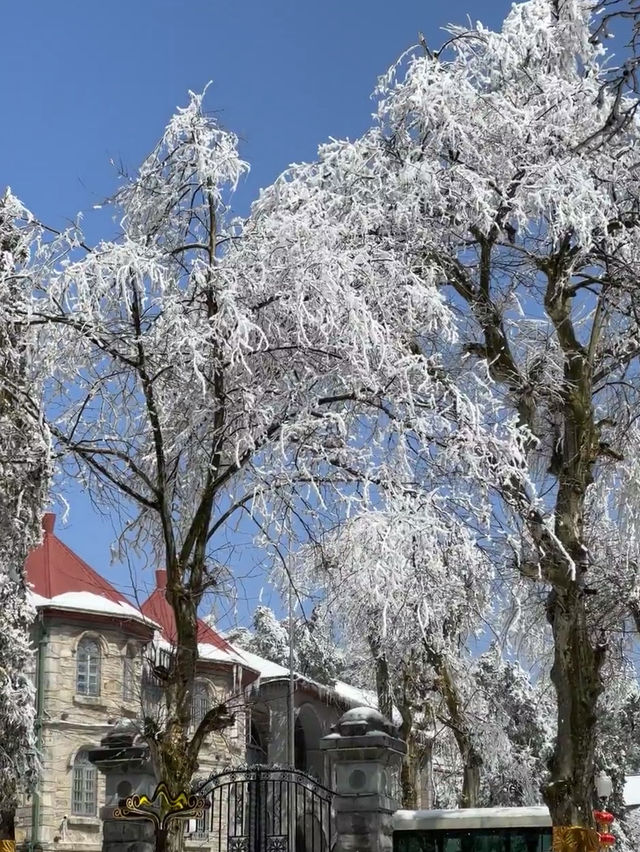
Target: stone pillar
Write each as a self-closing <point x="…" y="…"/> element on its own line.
<point x="126" y="767"/>
<point x="366" y="757"/>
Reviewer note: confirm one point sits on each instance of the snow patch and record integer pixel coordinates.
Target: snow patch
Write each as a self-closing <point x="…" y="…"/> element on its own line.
<point x="89" y="602"/>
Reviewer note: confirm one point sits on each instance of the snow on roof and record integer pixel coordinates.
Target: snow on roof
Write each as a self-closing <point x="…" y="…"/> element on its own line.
<point x="210" y="652"/>
<point x="356" y="696"/>
<point x="89" y="602"/>
<point x="58" y="578"/>
<point x="351" y="695"/>
<point x="265" y="668"/>
<point x="536" y="816"/>
<point x="631" y="794"/>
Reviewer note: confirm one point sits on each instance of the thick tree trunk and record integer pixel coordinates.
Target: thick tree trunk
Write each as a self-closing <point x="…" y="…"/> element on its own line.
<point x="577" y="662"/>
<point x="577" y="680"/>
<point x="171" y="838"/>
<point x="175" y="747"/>
<point x="173" y="754"/>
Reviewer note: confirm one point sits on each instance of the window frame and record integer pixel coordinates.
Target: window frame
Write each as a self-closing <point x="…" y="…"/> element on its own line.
<point x="84" y="786"/>
<point x="88" y="667"/>
<point x="129" y="673"/>
<point x="199" y="707"/>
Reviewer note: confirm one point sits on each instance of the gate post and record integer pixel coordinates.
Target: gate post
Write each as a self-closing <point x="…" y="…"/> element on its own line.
<point x="125" y="765"/>
<point x="366" y="757"/>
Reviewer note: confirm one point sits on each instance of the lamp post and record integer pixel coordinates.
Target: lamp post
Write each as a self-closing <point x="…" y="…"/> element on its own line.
<point x="604" y="789"/>
<point x="604" y="786"/>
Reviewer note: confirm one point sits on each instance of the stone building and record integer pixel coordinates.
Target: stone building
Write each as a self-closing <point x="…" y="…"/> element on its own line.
<point x="91" y="672"/>
<point x="95" y="657"/>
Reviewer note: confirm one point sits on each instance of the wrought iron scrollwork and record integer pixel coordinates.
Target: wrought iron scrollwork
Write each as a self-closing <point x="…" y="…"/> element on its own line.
<point x="162" y="808"/>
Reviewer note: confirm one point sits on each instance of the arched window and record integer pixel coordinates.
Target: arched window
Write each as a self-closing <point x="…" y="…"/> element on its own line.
<point x="84" y="786"/>
<point x="88" y="667"/>
<point x="201" y="702"/>
<point x="129" y="674"/>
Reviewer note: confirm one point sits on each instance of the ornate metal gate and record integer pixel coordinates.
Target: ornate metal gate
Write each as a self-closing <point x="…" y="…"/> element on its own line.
<point x="266" y="809"/>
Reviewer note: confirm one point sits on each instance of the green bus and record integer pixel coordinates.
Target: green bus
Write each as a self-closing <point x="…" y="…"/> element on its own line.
<point x="473" y="830"/>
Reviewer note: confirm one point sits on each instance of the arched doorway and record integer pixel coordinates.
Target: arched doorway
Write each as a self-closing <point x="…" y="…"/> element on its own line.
<point x="307" y="735"/>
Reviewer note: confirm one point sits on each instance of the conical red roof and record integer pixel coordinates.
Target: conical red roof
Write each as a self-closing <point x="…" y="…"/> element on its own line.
<point x="60" y="579"/>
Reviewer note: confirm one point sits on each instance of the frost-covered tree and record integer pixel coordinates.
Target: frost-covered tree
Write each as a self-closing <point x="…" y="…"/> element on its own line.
<point x="24" y="478"/>
<point x="516" y="718"/>
<point x="478" y="169"/>
<point x="203" y="372"/>
<point x="416" y="583"/>
<point x="315" y="654"/>
<point x="619" y="18"/>
<point x="618" y="747"/>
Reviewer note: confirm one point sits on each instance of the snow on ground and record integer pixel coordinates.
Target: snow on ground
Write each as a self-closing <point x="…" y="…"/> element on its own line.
<point x="631" y="793"/>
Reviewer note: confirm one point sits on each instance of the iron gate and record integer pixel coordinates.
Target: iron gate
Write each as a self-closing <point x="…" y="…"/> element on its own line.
<point x="266" y="809"/>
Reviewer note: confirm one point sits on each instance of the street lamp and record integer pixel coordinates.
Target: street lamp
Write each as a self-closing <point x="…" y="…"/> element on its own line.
<point x="604" y="789"/>
<point x="604" y="786"/>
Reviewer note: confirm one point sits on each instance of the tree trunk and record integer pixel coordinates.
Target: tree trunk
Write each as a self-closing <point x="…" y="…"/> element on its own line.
<point x="171" y="838"/>
<point x="427" y="791"/>
<point x="174" y="749"/>
<point x="470" y="795"/>
<point x="410" y="773"/>
<point x="383" y="682"/>
<point x="577" y="660"/>
<point x="578" y="683"/>
<point x="460" y="728"/>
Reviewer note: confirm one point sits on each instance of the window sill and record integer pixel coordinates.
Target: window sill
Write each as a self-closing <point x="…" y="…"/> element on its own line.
<point x="89" y="701"/>
<point x="84" y="821"/>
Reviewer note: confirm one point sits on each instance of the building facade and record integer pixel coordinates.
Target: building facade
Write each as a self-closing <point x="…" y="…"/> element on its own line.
<point x="91" y="673"/>
<point x="94" y="663"/>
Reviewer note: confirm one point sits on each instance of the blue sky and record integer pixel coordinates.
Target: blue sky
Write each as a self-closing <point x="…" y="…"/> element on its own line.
<point x="86" y="83"/>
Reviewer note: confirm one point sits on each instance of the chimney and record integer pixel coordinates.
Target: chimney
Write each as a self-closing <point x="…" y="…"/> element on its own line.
<point x="161" y="579"/>
<point x="48" y="522"/>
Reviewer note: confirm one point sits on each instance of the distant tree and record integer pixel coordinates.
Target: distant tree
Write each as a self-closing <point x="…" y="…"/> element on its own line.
<point x="413" y="580"/>
<point x="24" y="480"/>
<point x="516" y="719"/>
<point x="618" y="748"/>
<point x="315" y="654"/>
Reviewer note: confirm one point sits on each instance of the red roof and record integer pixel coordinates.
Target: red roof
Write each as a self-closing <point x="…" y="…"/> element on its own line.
<point x="157" y="608"/>
<point x="52" y="569"/>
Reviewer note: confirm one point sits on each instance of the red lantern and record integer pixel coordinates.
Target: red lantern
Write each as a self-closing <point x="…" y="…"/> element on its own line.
<point x="607" y="840"/>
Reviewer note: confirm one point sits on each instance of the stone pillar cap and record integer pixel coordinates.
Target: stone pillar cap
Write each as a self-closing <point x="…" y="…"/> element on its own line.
<point x="364" y="720"/>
